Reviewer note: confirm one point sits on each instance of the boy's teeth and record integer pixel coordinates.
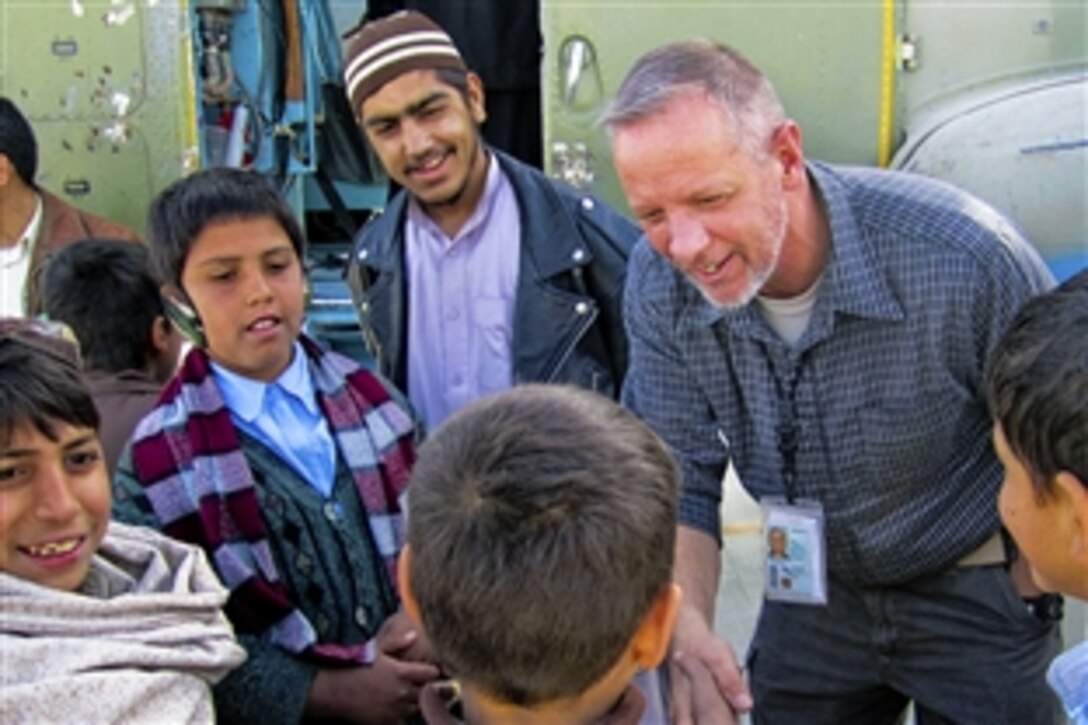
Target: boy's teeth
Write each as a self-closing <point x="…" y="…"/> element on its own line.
<point x="54" y="548"/>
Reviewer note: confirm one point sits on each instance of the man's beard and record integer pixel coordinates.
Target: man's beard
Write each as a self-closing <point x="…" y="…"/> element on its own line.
<point x="775" y="234"/>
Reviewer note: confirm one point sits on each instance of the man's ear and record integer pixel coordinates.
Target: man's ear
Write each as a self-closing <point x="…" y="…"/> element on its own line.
<point x="404" y="583"/>
<point x="477" y="107"/>
<point x="1072" y="491"/>
<point x="788" y="149"/>
<point x="651" y="641"/>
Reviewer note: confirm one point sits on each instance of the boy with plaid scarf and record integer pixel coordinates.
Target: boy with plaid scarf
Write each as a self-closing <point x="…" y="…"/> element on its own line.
<point x="284" y="461"/>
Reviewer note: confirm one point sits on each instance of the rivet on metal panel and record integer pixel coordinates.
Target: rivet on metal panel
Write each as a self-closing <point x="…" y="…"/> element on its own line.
<point x="908" y="52"/>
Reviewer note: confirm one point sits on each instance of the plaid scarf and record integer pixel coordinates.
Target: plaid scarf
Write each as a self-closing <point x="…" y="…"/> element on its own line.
<point x="188" y="456"/>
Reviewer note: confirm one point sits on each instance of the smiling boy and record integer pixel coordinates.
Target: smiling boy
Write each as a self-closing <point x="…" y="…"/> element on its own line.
<point x="284" y="461"/>
<point x="89" y="607"/>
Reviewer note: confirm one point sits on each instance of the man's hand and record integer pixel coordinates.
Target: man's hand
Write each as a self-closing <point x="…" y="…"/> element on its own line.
<point x="707" y="686"/>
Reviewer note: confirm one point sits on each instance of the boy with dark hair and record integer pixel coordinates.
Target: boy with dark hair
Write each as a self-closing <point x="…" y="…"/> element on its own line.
<point x="103" y="289"/>
<point x="101" y="622"/>
<point x="33" y="222"/>
<point x="283" y="460"/>
<point x="1037" y="386"/>
<point x="541" y="529"/>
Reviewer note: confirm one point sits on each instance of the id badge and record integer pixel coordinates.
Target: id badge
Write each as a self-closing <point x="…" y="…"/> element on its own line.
<point x="795" y="561"/>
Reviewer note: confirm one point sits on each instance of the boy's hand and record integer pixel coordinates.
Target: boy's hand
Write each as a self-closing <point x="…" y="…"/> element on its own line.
<point x="402" y="638"/>
<point x="435" y="701"/>
<point x="1020" y="572"/>
<point x="386" y="691"/>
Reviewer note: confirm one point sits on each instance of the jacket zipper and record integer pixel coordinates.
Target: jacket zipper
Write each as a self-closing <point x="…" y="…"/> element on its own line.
<point x="565" y="354"/>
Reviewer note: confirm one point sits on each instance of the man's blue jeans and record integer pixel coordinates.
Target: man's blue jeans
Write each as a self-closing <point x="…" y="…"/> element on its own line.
<point x="960" y="644"/>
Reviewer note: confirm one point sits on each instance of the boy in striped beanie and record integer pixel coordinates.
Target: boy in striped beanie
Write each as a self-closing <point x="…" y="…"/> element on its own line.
<point x="480" y="262"/>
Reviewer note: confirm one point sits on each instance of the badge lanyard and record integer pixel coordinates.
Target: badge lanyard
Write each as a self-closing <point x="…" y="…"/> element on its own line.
<point x="796" y="564"/>
<point x="789" y="427"/>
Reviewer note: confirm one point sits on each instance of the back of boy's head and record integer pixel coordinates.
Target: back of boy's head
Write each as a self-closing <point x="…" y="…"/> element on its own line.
<point x="17" y="141"/>
<point x="40" y="380"/>
<point x="104" y="290"/>
<point x="1037" y="383"/>
<point x="541" y="522"/>
<point x="181" y="213"/>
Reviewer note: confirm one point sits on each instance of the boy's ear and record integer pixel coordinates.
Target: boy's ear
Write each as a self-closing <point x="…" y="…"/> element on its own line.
<point x="404" y="583"/>
<point x="651" y="641"/>
<point x="1073" y="491"/>
<point x="476" y="99"/>
<point x="161" y="332"/>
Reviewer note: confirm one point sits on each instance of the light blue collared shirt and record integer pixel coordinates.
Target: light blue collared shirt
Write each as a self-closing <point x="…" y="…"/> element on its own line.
<point x="1068" y="676"/>
<point x="461" y="294"/>
<point x="284" y="416"/>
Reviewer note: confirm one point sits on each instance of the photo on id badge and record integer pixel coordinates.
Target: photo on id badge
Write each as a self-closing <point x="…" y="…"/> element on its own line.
<point x="794" y="566"/>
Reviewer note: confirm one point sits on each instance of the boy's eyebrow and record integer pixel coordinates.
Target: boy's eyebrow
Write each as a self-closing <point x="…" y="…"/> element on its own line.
<point x="82" y="440"/>
<point x="86" y="438"/>
<point x="230" y="258"/>
<point x="225" y="259"/>
<point x="411" y="110"/>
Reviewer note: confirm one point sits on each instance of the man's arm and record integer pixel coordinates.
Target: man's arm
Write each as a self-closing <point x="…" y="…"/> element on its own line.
<point x="662" y="389"/>
<point x="696" y="570"/>
<point x="722" y="692"/>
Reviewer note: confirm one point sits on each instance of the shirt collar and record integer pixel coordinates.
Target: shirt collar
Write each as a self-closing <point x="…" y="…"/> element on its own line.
<point x="246" y="396"/>
<point x="34" y="226"/>
<point x="856" y="284"/>
<point x="417" y="216"/>
<point x="16" y="253"/>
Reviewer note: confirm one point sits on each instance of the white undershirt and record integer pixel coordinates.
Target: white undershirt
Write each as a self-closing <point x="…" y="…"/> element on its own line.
<point x="15" y="264"/>
<point x="789" y="317"/>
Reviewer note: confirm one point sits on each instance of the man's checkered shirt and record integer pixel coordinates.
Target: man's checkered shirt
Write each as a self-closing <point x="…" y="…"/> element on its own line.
<point x="894" y="431"/>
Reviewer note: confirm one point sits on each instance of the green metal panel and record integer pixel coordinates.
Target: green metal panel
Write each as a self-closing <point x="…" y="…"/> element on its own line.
<point x="107" y="87"/>
<point x="953" y="85"/>
<point x="824" y="59"/>
<point x="962" y="45"/>
<point x="996" y="101"/>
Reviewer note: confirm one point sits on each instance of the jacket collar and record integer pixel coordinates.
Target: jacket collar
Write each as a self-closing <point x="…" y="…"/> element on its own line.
<point x="546" y="224"/>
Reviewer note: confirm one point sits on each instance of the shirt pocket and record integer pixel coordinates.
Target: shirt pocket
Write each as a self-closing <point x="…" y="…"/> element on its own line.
<point x="494" y="333"/>
<point x="908" y="442"/>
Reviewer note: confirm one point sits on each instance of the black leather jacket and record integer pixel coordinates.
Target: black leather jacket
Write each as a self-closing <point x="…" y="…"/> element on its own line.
<point x="567" y="320"/>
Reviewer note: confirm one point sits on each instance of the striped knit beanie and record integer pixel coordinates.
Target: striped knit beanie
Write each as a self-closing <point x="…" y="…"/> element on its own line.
<point x="385" y="48"/>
